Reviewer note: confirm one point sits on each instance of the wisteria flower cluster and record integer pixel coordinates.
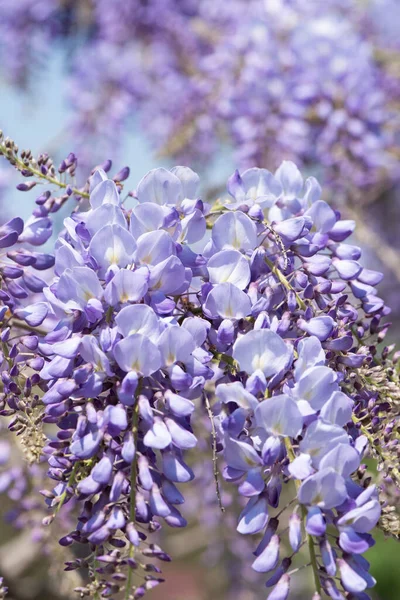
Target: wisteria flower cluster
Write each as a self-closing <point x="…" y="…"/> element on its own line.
<point x="157" y="311"/>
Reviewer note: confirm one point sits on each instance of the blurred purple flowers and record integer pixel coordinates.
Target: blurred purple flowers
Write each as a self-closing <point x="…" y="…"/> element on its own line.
<point x="277" y="80"/>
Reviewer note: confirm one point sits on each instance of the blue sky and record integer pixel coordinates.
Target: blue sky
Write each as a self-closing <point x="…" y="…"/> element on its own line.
<point x="37" y="119"/>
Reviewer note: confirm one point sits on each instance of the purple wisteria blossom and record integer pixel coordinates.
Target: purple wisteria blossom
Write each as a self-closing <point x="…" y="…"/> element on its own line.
<point x="159" y="312"/>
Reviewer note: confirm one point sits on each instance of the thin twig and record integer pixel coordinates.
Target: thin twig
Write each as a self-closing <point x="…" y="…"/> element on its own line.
<point x="279" y="243"/>
<point x="133" y="478"/>
<point x="21" y="166"/>
<point x="309" y="537"/>
<point x="214" y="453"/>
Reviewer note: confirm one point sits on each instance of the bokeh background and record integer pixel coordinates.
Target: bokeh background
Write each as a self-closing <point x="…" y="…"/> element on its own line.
<point x="215" y="85"/>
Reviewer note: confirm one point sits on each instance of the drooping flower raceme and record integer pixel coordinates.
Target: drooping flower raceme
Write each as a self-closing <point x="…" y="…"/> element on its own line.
<point x="164" y="311"/>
